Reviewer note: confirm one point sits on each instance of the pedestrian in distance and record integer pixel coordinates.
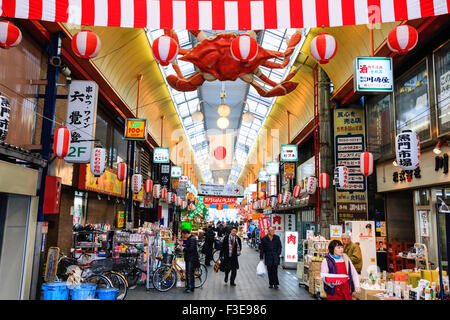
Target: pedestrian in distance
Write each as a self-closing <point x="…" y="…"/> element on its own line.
<point x="337" y="262"/>
<point x="191" y="258"/>
<point x="208" y="246"/>
<point x="231" y="250"/>
<point x="353" y="251"/>
<point x="270" y="251"/>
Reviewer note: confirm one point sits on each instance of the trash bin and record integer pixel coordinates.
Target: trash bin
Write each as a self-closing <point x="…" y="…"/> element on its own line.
<point x="107" y="293"/>
<point x="86" y="291"/>
<point x="55" y="291"/>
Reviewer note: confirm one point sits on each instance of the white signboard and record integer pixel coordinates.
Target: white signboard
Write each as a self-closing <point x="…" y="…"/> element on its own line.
<point x="161" y="155"/>
<point x="176" y="172"/>
<point x="363" y="233"/>
<point x="81" y="116"/>
<point x="373" y="74"/>
<point x="263" y="176"/>
<point x="289" y="153"/>
<point x="228" y="190"/>
<point x="278" y="222"/>
<point x="273" y="168"/>
<point x="335" y="231"/>
<point x="184" y="179"/>
<point x="291" y="246"/>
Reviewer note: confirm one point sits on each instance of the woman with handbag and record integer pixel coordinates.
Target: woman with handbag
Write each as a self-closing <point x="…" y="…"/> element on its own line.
<point x="231" y="250"/>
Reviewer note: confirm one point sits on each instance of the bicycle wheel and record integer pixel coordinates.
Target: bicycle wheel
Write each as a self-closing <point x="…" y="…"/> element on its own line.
<point x="163" y="280"/>
<point x="200" y="276"/>
<point x="133" y="277"/>
<point x="216" y="255"/>
<point x="118" y="281"/>
<point x="101" y="281"/>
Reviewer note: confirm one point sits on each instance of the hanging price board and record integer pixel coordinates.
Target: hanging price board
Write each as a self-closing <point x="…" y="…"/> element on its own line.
<point x="135" y="129"/>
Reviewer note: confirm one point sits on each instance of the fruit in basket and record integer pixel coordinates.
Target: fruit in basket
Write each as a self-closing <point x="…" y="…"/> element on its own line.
<point x="335" y="279"/>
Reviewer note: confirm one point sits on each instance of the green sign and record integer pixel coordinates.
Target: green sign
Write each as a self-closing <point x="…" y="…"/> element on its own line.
<point x="186" y="225"/>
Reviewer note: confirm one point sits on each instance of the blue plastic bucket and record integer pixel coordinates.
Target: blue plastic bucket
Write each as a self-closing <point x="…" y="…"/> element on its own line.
<point x="86" y="291"/>
<point x="107" y="294"/>
<point x="55" y="291"/>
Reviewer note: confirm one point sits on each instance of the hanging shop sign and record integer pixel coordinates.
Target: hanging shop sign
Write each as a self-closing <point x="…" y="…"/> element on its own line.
<point x="108" y="183"/>
<point x="335" y="232"/>
<point x="373" y="74"/>
<point x="120" y="219"/>
<point x="264" y="225"/>
<point x="219" y="200"/>
<point x="291" y="246"/>
<point x="289" y="222"/>
<point x="228" y="190"/>
<point x="5" y="110"/>
<point x="349" y="133"/>
<point x="135" y="129"/>
<point x="278" y="222"/>
<point x="273" y="168"/>
<point x="407" y="150"/>
<point x="289" y="171"/>
<point x="263" y="176"/>
<point x="161" y="155"/>
<point x="81" y="115"/>
<point x="176" y="172"/>
<point x="289" y="153"/>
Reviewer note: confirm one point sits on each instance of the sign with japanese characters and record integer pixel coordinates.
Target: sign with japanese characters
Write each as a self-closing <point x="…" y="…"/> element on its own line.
<point x="81" y="117"/>
<point x="5" y="110"/>
<point x="264" y="225"/>
<point x="176" y="172"/>
<point x="350" y="142"/>
<point x="135" y="129"/>
<point x="373" y="74"/>
<point x="291" y="246"/>
<point x="289" y="222"/>
<point x="219" y="200"/>
<point x="263" y="176"/>
<point x="161" y="155"/>
<point x="289" y="153"/>
<point x="272" y="168"/>
<point x="289" y="171"/>
<point x="278" y="222"/>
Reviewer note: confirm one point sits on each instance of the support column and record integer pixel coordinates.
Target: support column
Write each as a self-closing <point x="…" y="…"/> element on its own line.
<point x="326" y="154"/>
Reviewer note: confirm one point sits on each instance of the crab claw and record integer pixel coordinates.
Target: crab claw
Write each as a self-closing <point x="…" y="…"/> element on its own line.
<point x="182" y="84"/>
<point x="281" y="89"/>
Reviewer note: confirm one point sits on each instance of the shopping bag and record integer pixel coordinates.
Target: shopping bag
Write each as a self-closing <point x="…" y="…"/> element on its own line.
<point x="217" y="266"/>
<point x="261" y="269"/>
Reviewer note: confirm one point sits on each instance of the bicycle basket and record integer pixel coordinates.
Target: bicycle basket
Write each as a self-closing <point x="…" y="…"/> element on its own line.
<point x="167" y="258"/>
<point x="120" y="264"/>
<point x="101" y="265"/>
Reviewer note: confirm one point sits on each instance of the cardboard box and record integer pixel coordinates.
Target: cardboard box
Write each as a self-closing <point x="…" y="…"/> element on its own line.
<point x="374" y="297"/>
<point x="365" y="292"/>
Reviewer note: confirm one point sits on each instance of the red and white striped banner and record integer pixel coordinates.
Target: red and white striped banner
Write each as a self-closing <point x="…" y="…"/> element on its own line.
<point x="222" y="14"/>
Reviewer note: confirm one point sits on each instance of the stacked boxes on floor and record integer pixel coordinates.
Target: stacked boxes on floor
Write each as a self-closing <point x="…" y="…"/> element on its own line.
<point x="314" y="272"/>
<point x="396" y="263"/>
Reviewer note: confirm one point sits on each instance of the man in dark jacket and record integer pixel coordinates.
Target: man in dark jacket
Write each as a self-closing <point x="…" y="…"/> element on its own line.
<point x="270" y="249"/>
<point x="190" y="258"/>
<point x="231" y="249"/>
<point x="208" y="246"/>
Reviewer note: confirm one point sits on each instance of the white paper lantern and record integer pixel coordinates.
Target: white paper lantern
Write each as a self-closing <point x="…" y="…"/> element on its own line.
<point x="297" y="190"/>
<point x="156" y="191"/>
<point x="267" y="202"/>
<point x="324" y="181"/>
<point x="98" y="161"/>
<point x="169" y="197"/>
<point x="121" y="171"/>
<point x="366" y="163"/>
<point x="5" y="110"/>
<point x="341" y="177"/>
<point x="407" y="150"/>
<point x="286" y="197"/>
<point x="311" y="185"/>
<point x="148" y="185"/>
<point x="273" y="202"/>
<point x="136" y="183"/>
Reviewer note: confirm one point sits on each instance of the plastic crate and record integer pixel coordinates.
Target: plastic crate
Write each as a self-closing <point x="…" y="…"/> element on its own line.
<point x="407" y="246"/>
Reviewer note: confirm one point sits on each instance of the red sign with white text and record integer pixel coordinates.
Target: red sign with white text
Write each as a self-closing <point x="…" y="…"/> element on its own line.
<point x="264" y="225"/>
<point x="219" y="200"/>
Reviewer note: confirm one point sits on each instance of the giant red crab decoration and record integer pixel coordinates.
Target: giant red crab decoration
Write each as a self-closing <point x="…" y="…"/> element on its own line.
<point x="214" y="61"/>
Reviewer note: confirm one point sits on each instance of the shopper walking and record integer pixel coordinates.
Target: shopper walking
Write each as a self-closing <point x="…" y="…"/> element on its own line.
<point x="231" y="250"/>
<point x="270" y="249"/>
<point x="190" y="258"/>
<point x="353" y="251"/>
<point x="208" y="246"/>
<point x="337" y="262"/>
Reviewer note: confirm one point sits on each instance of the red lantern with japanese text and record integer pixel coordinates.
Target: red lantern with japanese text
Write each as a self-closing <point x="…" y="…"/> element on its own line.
<point x="324" y="181"/>
<point x="311" y="185"/>
<point x="121" y="171"/>
<point x="10" y="35"/>
<point x="165" y="50"/>
<point x="61" y="142"/>
<point x="366" y="163"/>
<point x="86" y="44"/>
<point x="323" y="47"/>
<point x="174" y="198"/>
<point x="136" y="182"/>
<point x="98" y="161"/>
<point x="244" y="48"/>
<point x="402" y="39"/>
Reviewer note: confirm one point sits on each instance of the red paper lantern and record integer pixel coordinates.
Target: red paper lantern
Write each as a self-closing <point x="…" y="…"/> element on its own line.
<point x="164" y="193"/>
<point x="148" y="185"/>
<point x="61" y="142"/>
<point x="136" y="182"/>
<point x="220" y="153"/>
<point x="174" y="198"/>
<point x="98" y="161"/>
<point x="10" y="35"/>
<point x="267" y="202"/>
<point x="366" y="163"/>
<point x="280" y="198"/>
<point x="244" y="48"/>
<point x="121" y="171"/>
<point x="323" y="47"/>
<point x="297" y="190"/>
<point x="324" y="181"/>
<point x="402" y="39"/>
<point x="86" y="44"/>
<point x="165" y="50"/>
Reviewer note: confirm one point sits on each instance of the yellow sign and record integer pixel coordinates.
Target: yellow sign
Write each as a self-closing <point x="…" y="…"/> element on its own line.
<point x="107" y="183"/>
<point x="135" y="129"/>
<point x="139" y="196"/>
<point x="120" y="219"/>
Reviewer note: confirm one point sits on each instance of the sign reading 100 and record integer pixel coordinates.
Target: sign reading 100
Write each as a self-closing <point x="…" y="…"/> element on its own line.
<point x="135" y="129"/>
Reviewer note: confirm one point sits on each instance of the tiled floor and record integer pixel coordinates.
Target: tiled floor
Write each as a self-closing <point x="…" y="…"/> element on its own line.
<point x="248" y="285"/>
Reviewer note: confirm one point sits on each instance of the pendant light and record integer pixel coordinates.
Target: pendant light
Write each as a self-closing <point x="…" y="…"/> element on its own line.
<point x="223" y="123"/>
<point x="197" y="116"/>
<point x="248" y="116"/>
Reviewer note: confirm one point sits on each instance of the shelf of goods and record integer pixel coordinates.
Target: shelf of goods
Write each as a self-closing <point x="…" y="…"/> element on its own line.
<point x="314" y="252"/>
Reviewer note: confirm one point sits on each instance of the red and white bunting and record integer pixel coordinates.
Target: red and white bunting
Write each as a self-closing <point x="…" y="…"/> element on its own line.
<point x="164" y="193"/>
<point x="136" y="183"/>
<point x="402" y="39"/>
<point x="61" y="142"/>
<point x="366" y="163"/>
<point x="324" y="181"/>
<point x="10" y="35"/>
<point x="244" y="48"/>
<point x="98" y="161"/>
<point x="297" y="190"/>
<point x="222" y="15"/>
<point x="311" y="185"/>
<point x="148" y="185"/>
<point x="86" y="44"/>
<point x="165" y="50"/>
<point x="121" y="171"/>
<point x="323" y="47"/>
<point x="156" y="191"/>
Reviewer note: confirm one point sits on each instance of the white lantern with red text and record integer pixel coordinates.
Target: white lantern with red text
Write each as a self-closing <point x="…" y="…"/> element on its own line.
<point x="156" y="191"/>
<point x="267" y="202"/>
<point x="324" y="181"/>
<point x="148" y="185"/>
<point x="323" y="47"/>
<point x="98" y="161"/>
<point x="121" y="171"/>
<point x="86" y="44"/>
<point x="311" y="185"/>
<point x="244" y="48"/>
<point x="262" y="204"/>
<point x="164" y="193"/>
<point x="366" y="163"/>
<point x="10" y="35"/>
<point x="402" y="39"/>
<point x="407" y="150"/>
<point x="341" y="177"/>
<point x="273" y="202"/>
<point x="61" y="141"/>
<point x="286" y="197"/>
<point x="297" y="190"/>
<point x="165" y="50"/>
<point x="136" y="183"/>
<point x="169" y="197"/>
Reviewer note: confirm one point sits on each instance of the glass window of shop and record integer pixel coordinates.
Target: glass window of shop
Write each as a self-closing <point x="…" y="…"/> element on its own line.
<point x="379" y="126"/>
<point x="411" y="102"/>
<point x="442" y="80"/>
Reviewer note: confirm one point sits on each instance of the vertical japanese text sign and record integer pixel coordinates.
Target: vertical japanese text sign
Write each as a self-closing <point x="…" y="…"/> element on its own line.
<point x="81" y="116"/>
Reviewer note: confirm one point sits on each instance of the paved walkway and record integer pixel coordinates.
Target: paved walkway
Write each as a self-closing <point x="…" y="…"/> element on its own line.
<point x="248" y="285"/>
